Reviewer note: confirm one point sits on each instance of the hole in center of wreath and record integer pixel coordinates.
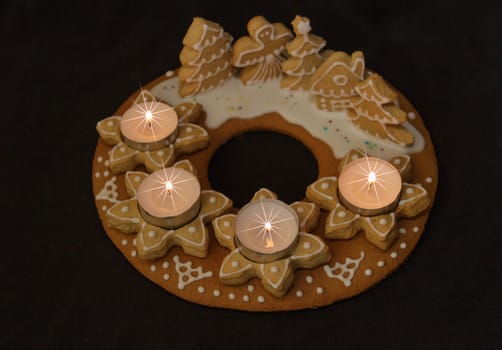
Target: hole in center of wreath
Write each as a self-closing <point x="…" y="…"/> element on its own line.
<point x="258" y="159"/>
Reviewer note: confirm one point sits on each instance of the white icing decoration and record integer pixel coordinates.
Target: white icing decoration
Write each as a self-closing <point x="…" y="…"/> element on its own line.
<point x="231" y="296"/>
<point x="261" y="299"/>
<point x="98" y="175"/>
<point x="107" y="162"/>
<point x="226" y="223"/>
<point x="299" y="293"/>
<point x="397" y="161"/>
<point x="124" y="241"/>
<point x="99" y="159"/>
<point x="403" y="245"/>
<point x="428" y="180"/>
<point x="368" y="272"/>
<point x="325" y="185"/>
<point x="153" y="268"/>
<point x="382" y="221"/>
<point x="216" y="292"/>
<point x="319" y="290"/>
<point x="251" y="288"/>
<point x="110" y="123"/>
<point x="169" y="73"/>
<point x="255" y="100"/>
<point x="314" y="185"/>
<point x="124" y="209"/>
<point x="402" y="230"/>
<point x="411" y="115"/>
<point x="409" y="190"/>
<point x="309" y="279"/>
<point x="106" y="173"/>
<point x="104" y="208"/>
<point x="187" y="274"/>
<point x="212" y="200"/>
<point x="415" y="229"/>
<point x="235" y="263"/>
<point x="304" y="27"/>
<point x="151" y="234"/>
<point x="201" y="289"/>
<point x="165" y="264"/>
<point x="134" y="253"/>
<point x="245" y="298"/>
<point x="299" y="210"/>
<point x="307" y="245"/>
<point x="160" y="153"/>
<point x="274" y="269"/>
<point x="189" y="129"/>
<point x="134" y="241"/>
<point x="279" y="281"/>
<point x="342" y="214"/>
<point x="380" y="263"/>
<point x="393" y="255"/>
<point x="166" y="276"/>
<point x="109" y="191"/>
<point x="192" y="229"/>
<point x="346" y="274"/>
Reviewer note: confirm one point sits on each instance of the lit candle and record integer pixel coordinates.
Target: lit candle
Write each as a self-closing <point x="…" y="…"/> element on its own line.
<point x="169" y="197"/>
<point x="266" y="230"/>
<point x="149" y="126"/>
<point x="369" y="186"/>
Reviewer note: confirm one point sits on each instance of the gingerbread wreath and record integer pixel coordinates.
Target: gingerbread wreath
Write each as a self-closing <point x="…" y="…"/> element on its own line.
<point x="358" y="221"/>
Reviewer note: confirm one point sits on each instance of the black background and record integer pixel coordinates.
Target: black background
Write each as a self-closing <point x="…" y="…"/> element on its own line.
<point x="66" y="66"/>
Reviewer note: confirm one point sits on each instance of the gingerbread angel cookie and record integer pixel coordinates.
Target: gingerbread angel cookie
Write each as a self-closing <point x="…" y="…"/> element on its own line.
<point x="334" y="82"/>
<point x="153" y="241"/>
<point x="206" y="57"/>
<point x="124" y="156"/>
<point x="259" y="55"/>
<point x="375" y="109"/>
<point x="380" y="230"/>
<point x="277" y="276"/>
<point x="304" y="56"/>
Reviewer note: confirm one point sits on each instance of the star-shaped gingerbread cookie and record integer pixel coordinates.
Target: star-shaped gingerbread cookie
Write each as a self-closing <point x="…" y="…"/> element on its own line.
<point x="191" y="138"/>
<point x="153" y="241"/>
<point x="277" y="276"/>
<point x="380" y="230"/>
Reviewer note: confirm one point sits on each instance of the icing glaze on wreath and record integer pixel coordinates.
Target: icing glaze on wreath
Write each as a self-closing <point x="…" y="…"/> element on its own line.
<point x="297" y="107"/>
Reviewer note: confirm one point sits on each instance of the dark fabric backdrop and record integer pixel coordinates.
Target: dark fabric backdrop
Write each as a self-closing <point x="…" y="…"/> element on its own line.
<point x="64" y="285"/>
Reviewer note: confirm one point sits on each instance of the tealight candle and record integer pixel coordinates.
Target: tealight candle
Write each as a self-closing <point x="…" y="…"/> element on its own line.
<point x="369" y="186"/>
<point x="169" y="197"/>
<point x="266" y="230"/>
<point x="149" y="126"/>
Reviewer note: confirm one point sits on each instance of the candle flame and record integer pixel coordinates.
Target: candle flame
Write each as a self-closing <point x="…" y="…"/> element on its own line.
<point x="149" y="117"/>
<point x="267" y="226"/>
<point x="169" y="186"/>
<point x="372" y="178"/>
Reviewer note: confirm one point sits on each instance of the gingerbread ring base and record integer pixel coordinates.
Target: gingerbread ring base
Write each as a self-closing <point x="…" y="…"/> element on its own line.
<point x="356" y="264"/>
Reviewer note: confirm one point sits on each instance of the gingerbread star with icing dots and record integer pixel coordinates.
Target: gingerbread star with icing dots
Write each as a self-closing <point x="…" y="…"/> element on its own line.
<point x="191" y="138"/>
<point x="152" y="241"/>
<point x="380" y="230"/>
<point x="277" y="276"/>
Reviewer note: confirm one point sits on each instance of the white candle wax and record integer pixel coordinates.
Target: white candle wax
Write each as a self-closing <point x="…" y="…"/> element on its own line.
<point x="149" y="125"/>
<point x="369" y="186"/>
<point x="266" y="230"/>
<point x="169" y="197"/>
